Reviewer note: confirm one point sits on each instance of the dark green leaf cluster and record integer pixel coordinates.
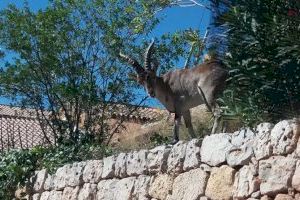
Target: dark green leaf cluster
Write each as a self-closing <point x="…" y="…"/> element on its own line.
<point x="263" y="57"/>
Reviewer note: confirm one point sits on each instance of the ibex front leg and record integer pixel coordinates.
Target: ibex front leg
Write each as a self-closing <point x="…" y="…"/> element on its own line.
<point x="177" y="119"/>
<point x="188" y="123"/>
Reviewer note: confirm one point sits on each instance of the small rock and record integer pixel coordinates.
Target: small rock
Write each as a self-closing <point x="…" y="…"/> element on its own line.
<point x="124" y="188"/>
<point x="296" y="178"/>
<point x="220" y="183"/>
<point x="45" y="195"/>
<point x="88" y="192"/>
<point x="283" y="197"/>
<point x="190" y="185"/>
<point x="176" y="158"/>
<point x="157" y="159"/>
<point x="141" y="188"/>
<point x="192" y="156"/>
<point x="239" y="138"/>
<point x="38" y="181"/>
<point x="52" y="195"/>
<point x="137" y="163"/>
<point x="161" y="186"/>
<point x="276" y="174"/>
<point x="106" y="189"/>
<point x="92" y="171"/>
<point x="214" y="148"/>
<point x="262" y="143"/>
<point x="256" y="194"/>
<point x="265" y="197"/>
<point x="36" y="196"/>
<point x="205" y="167"/>
<point x="239" y="156"/>
<point x="108" y="170"/>
<point x="283" y="137"/>
<point x="245" y="183"/>
<point x="70" y="193"/>
<point x="120" y="166"/>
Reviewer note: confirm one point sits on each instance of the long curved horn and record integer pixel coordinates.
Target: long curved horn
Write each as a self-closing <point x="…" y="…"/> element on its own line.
<point x="138" y="68"/>
<point x="147" y="56"/>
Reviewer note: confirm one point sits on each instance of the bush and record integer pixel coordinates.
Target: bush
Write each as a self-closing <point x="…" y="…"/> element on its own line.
<point x="16" y="166"/>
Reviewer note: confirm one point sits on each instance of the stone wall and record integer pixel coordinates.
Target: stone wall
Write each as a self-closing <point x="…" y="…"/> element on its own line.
<point x="259" y="164"/>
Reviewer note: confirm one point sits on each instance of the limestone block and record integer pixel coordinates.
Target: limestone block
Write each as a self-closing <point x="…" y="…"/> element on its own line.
<point x="38" y="180"/>
<point x="192" y="155"/>
<point x="284" y="138"/>
<point x="59" y="180"/>
<point x="265" y="197"/>
<point x="137" y="163"/>
<point x="141" y="188"/>
<point x="157" y="159"/>
<point x="283" y="197"/>
<point x="74" y="174"/>
<point x="245" y="183"/>
<point x="120" y="166"/>
<point x="276" y="174"/>
<point x="239" y="138"/>
<point x="203" y="198"/>
<point x="220" y="183"/>
<point x="296" y="178"/>
<point x="106" y="189"/>
<point x="215" y="148"/>
<point x="240" y="155"/>
<point x="190" y="185"/>
<point x="49" y="184"/>
<point x="70" y="193"/>
<point x="55" y="195"/>
<point x="108" y="170"/>
<point x="205" y="167"/>
<point x="92" y="171"/>
<point x="161" y="186"/>
<point x="88" y="192"/>
<point x="176" y="158"/>
<point x="36" y="196"/>
<point x="124" y="188"/>
<point x="262" y="143"/>
<point x="45" y="195"/>
<point x="52" y="195"/>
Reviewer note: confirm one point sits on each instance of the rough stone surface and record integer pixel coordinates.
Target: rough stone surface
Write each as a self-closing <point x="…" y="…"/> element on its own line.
<point x="220" y="183"/>
<point x="262" y="143"/>
<point x="176" y="158"/>
<point x="108" y="170"/>
<point x="141" y="188"/>
<point x="120" y="166"/>
<point x="157" y="159"/>
<point x="239" y="155"/>
<point x="38" y="180"/>
<point x="45" y="195"/>
<point x="190" y="185"/>
<point x="92" y="171"/>
<point x="161" y="186"/>
<point x="239" y="138"/>
<point x="276" y="174"/>
<point x="137" y="163"/>
<point x="70" y="193"/>
<point x="49" y="185"/>
<point x="283" y="197"/>
<point x="283" y="137"/>
<point x="214" y="148"/>
<point x="192" y="155"/>
<point x="36" y="196"/>
<point x="106" y="189"/>
<point x="296" y="178"/>
<point x="52" y="195"/>
<point x="245" y="182"/>
<point x="88" y="192"/>
<point x="124" y="188"/>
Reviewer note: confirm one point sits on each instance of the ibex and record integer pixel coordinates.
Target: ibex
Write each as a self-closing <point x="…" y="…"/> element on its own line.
<point x="182" y="89"/>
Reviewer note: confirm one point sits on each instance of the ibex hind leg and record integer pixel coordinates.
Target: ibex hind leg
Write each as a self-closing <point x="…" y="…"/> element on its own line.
<point x="213" y="108"/>
<point x="177" y="119"/>
<point x="188" y="123"/>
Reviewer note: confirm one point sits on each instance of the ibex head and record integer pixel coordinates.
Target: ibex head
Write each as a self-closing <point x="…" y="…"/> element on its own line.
<point x="146" y="75"/>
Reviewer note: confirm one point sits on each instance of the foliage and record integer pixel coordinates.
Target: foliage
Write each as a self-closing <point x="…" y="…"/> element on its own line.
<point x="65" y="60"/>
<point x="17" y="165"/>
<point x="263" y="57"/>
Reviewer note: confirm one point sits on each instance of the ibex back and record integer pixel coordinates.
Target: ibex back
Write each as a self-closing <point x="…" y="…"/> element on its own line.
<point x="182" y="89"/>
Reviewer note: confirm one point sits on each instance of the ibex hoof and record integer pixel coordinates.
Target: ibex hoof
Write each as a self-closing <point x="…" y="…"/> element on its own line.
<point x="174" y="142"/>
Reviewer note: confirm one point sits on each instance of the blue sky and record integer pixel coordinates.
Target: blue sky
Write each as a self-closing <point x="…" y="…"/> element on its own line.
<point x="175" y="18"/>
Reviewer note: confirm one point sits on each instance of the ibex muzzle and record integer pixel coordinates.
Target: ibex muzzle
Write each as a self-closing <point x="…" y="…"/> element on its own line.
<point x="182" y="89"/>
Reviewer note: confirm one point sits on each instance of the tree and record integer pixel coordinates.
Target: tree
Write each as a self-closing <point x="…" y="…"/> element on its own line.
<point x="264" y="59"/>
